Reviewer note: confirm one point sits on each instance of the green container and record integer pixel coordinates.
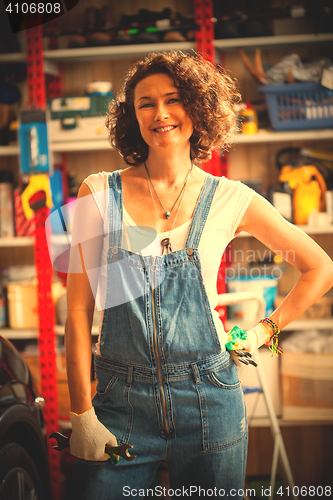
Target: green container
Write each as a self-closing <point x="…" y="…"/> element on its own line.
<point x="261" y="485"/>
<point x="67" y="109"/>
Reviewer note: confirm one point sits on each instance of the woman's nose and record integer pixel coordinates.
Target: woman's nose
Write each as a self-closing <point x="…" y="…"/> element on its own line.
<point x="161" y="112"/>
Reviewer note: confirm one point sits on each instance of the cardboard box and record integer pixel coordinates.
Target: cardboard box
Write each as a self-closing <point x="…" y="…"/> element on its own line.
<point x="307" y="386"/>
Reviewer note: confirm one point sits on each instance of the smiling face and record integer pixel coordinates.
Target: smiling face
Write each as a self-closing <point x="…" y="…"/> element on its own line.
<point x="161" y="116"/>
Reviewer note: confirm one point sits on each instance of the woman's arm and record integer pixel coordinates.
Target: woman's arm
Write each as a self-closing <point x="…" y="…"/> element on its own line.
<point x="316" y="268"/>
<point x="86" y="248"/>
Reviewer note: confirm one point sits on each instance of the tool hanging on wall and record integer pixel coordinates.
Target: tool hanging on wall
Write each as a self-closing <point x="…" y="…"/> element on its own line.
<point x="34" y="158"/>
<point x="34" y="149"/>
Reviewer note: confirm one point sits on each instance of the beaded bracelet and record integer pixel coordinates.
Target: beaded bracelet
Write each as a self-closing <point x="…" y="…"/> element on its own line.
<point x="273" y="342"/>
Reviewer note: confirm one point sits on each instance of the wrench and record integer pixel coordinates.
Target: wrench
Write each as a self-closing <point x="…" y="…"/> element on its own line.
<point x="121" y="450"/>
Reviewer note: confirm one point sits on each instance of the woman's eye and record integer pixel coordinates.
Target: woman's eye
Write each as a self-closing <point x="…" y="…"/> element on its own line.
<point x="146" y="105"/>
<point x="174" y="99"/>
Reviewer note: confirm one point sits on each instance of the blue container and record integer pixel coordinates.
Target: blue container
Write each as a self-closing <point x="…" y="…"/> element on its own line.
<point x="299" y="106"/>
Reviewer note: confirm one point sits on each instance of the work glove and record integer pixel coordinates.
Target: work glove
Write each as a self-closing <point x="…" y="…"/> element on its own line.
<point x="248" y="341"/>
<point x="89" y="437"/>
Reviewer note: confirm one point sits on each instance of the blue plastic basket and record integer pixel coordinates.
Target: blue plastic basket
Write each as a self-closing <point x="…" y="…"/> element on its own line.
<point x="299" y="106"/>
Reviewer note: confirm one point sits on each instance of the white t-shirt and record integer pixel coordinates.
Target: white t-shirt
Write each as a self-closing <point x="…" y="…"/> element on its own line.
<point x="229" y="204"/>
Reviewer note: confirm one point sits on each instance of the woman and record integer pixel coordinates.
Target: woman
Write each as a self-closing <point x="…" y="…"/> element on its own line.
<point x="147" y="244"/>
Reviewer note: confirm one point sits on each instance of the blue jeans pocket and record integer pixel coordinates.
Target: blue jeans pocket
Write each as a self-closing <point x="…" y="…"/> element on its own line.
<point x="222" y="409"/>
<point x="112" y="405"/>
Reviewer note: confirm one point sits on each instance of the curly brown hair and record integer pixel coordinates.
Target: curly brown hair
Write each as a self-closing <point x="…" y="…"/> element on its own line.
<point x="208" y="94"/>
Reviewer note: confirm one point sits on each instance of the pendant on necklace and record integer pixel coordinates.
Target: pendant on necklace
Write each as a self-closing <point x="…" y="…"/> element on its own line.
<point x="167" y="214"/>
<point x="166" y="245"/>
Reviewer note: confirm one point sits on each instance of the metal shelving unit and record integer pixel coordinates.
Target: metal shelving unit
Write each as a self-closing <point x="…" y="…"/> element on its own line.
<point x="118" y="52"/>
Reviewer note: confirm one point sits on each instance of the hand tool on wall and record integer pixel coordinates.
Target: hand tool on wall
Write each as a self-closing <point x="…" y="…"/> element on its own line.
<point x="34" y="159"/>
<point x="33" y="139"/>
<point x="121" y="450"/>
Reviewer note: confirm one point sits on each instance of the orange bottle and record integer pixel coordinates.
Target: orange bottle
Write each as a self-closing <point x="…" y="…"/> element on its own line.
<point x="250" y="120"/>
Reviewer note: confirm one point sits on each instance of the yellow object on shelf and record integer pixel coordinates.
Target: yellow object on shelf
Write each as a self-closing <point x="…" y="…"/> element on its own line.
<point x="249" y="120"/>
<point x="309" y="190"/>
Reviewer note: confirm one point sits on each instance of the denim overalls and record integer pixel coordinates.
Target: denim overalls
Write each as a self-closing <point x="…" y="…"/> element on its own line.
<point x="164" y="384"/>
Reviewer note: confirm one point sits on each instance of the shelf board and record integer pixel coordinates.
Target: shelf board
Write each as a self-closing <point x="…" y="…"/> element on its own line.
<point x="306" y="228"/>
<point x="9" y="150"/>
<point x="317" y="229"/>
<point x="32" y="333"/>
<point x="12" y="57"/>
<point x="64" y="146"/>
<point x="266" y="422"/>
<point x="110" y="52"/>
<point x="262" y="136"/>
<point x="18" y="334"/>
<point x="60" y="330"/>
<point x="310" y="324"/>
<point x="17" y="241"/>
<point x="114" y="52"/>
<point x="92" y="145"/>
<point x="266" y="136"/>
<point x="134" y="51"/>
<point x="271" y="42"/>
<point x="298" y="324"/>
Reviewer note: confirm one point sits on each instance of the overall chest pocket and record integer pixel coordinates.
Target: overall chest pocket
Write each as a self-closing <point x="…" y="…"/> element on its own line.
<point x="222" y="409"/>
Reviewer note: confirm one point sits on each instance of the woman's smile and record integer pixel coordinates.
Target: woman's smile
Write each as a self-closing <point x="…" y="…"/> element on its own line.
<point x="166" y="128"/>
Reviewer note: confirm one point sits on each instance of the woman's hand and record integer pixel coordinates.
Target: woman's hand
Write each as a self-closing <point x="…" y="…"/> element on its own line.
<point x="89" y="437"/>
<point x="256" y="337"/>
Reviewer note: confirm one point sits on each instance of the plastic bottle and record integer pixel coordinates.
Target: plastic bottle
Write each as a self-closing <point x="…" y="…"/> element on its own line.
<point x="250" y="121"/>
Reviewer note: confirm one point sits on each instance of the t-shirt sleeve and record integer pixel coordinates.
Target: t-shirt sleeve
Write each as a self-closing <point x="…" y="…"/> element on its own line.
<point x="87" y="228"/>
<point x="230" y="203"/>
<point x="97" y="184"/>
<point x="243" y="196"/>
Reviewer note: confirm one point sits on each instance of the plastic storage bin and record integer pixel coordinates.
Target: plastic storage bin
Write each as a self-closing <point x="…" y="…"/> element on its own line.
<point x="299" y="106"/>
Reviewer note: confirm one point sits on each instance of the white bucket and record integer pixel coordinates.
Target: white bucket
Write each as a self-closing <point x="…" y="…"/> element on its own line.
<point x="22" y="304"/>
<point x="248" y="310"/>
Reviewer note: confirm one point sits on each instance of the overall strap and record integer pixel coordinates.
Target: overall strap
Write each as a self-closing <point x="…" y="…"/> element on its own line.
<point x="115" y="209"/>
<point x="201" y="211"/>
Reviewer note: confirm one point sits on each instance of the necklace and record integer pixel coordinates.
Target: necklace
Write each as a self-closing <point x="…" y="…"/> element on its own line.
<point x="165" y="242"/>
<point x="167" y="212"/>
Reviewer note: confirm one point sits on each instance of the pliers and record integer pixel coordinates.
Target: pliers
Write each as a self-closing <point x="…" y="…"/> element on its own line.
<point x="245" y="357"/>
